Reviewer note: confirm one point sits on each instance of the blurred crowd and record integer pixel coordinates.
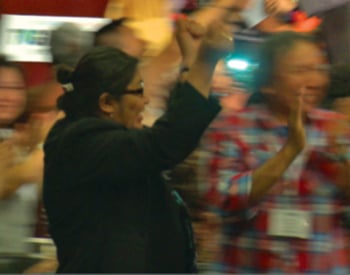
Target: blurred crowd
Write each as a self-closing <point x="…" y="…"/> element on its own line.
<point x="267" y="188"/>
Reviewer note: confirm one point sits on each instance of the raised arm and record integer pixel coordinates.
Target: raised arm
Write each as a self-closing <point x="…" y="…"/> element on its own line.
<point x="234" y="183"/>
<point x="264" y="177"/>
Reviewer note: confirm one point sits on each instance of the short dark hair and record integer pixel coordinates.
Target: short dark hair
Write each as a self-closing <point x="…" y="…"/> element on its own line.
<point x="108" y="28"/>
<point x="62" y="40"/>
<point x="102" y="69"/>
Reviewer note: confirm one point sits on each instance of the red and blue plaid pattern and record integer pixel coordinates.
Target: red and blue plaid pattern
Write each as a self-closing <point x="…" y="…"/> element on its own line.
<point x="232" y="148"/>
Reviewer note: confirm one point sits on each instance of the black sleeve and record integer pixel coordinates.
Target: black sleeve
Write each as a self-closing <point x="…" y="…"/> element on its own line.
<point x="134" y="153"/>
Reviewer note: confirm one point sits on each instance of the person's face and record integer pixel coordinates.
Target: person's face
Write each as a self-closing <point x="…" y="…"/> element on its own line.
<point x="301" y="70"/>
<point x="12" y="95"/>
<point x="129" y="108"/>
<point x="125" y="40"/>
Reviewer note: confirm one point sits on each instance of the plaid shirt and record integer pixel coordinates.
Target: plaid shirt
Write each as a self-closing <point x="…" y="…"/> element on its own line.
<point x="232" y="148"/>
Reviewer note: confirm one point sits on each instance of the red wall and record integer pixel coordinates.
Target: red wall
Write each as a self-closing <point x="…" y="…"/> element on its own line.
<point x="94" y="8"/>
<point x="39" y="72"/>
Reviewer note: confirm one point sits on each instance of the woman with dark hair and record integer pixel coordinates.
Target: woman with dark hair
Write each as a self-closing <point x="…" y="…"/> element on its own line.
<point x="108" y="209"/>
<point x="277" y="175"/>
<point x="20" y="170"/>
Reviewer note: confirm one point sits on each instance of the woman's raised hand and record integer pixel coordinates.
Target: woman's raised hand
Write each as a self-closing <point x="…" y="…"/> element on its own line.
<point x="297" y="136"/>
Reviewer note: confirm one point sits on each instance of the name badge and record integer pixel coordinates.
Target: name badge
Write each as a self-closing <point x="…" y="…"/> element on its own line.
<point x="290" y="223"/>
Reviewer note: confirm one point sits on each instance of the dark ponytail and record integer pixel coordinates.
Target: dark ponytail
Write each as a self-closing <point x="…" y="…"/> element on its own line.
<point x="64" y="74"/>
<point x="69" y="101"/>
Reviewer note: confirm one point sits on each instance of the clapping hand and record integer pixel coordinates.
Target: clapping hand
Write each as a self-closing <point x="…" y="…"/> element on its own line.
<point x="297" y="136"/>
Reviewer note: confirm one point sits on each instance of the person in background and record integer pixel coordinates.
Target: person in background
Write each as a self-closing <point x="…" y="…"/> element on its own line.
<point x="20" y="169"/>
<point x="233" y="95"/>
<point x="276" y="173"/>
<point x="68" y="44"/>
<point x="117" y="34"/>
<point x="150" y="21"/>
<point x="269" y="16"/>
<point x="338" y="99"/>
<point x="339" y="90"/>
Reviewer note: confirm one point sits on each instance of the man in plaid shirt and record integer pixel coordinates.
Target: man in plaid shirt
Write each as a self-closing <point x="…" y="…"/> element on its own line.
<point x="277" y="172"/>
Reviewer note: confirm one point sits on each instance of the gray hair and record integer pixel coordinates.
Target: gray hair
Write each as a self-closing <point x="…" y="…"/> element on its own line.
<point x="69" y="43"/>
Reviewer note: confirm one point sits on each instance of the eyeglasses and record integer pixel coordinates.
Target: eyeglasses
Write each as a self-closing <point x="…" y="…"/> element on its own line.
<point x="138" y="91"/>
<point x="134" y="92"/>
